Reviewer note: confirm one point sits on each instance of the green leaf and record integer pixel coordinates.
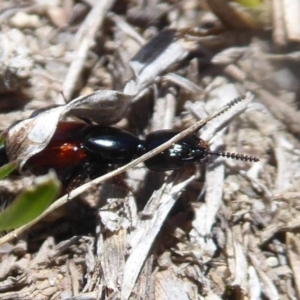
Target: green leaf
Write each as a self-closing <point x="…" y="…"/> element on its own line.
<point x="6" y="169"/>
<point x="250" y="3"/>
<point x="31" y="202"/>
<point x="2" y="138"/>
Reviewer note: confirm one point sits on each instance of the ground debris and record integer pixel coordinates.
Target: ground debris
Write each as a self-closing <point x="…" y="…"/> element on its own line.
<point x="225" y="230"/>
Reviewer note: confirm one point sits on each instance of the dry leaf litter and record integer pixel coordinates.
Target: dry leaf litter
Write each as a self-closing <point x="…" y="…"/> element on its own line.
<point x="224" y="230"/>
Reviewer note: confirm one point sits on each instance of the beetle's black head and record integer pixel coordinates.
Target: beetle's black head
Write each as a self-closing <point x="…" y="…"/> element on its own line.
<point x="201" y="152"/>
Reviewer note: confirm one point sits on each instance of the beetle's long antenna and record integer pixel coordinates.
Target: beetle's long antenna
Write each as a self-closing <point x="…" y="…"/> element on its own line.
<point x="235" y="156"/>
<point x="225" y="108"/>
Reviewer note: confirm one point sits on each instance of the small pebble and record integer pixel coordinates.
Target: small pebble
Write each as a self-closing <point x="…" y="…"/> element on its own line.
<point x="272" y="262"/>
<point x="22" y="20"/>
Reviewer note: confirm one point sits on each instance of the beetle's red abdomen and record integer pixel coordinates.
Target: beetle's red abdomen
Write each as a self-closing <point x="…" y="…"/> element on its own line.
<point x="64" y="153"/>
<point x="57" y="155"/>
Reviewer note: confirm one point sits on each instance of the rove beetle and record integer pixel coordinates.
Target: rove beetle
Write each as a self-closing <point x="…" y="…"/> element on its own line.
<point x="88" y="151"/>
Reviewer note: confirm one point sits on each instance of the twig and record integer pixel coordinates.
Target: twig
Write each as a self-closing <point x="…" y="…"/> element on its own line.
<point x="291" y="10"/>
<point x="86" y="36"/>
<point x="279" y="33"/>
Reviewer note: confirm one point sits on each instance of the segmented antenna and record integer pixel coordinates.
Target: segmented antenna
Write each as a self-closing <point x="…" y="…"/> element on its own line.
<point x="230" y="104"/>
<point x="235" y="156"/>
<point x="197" y="126"/>
<point x="236" y="100"/>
